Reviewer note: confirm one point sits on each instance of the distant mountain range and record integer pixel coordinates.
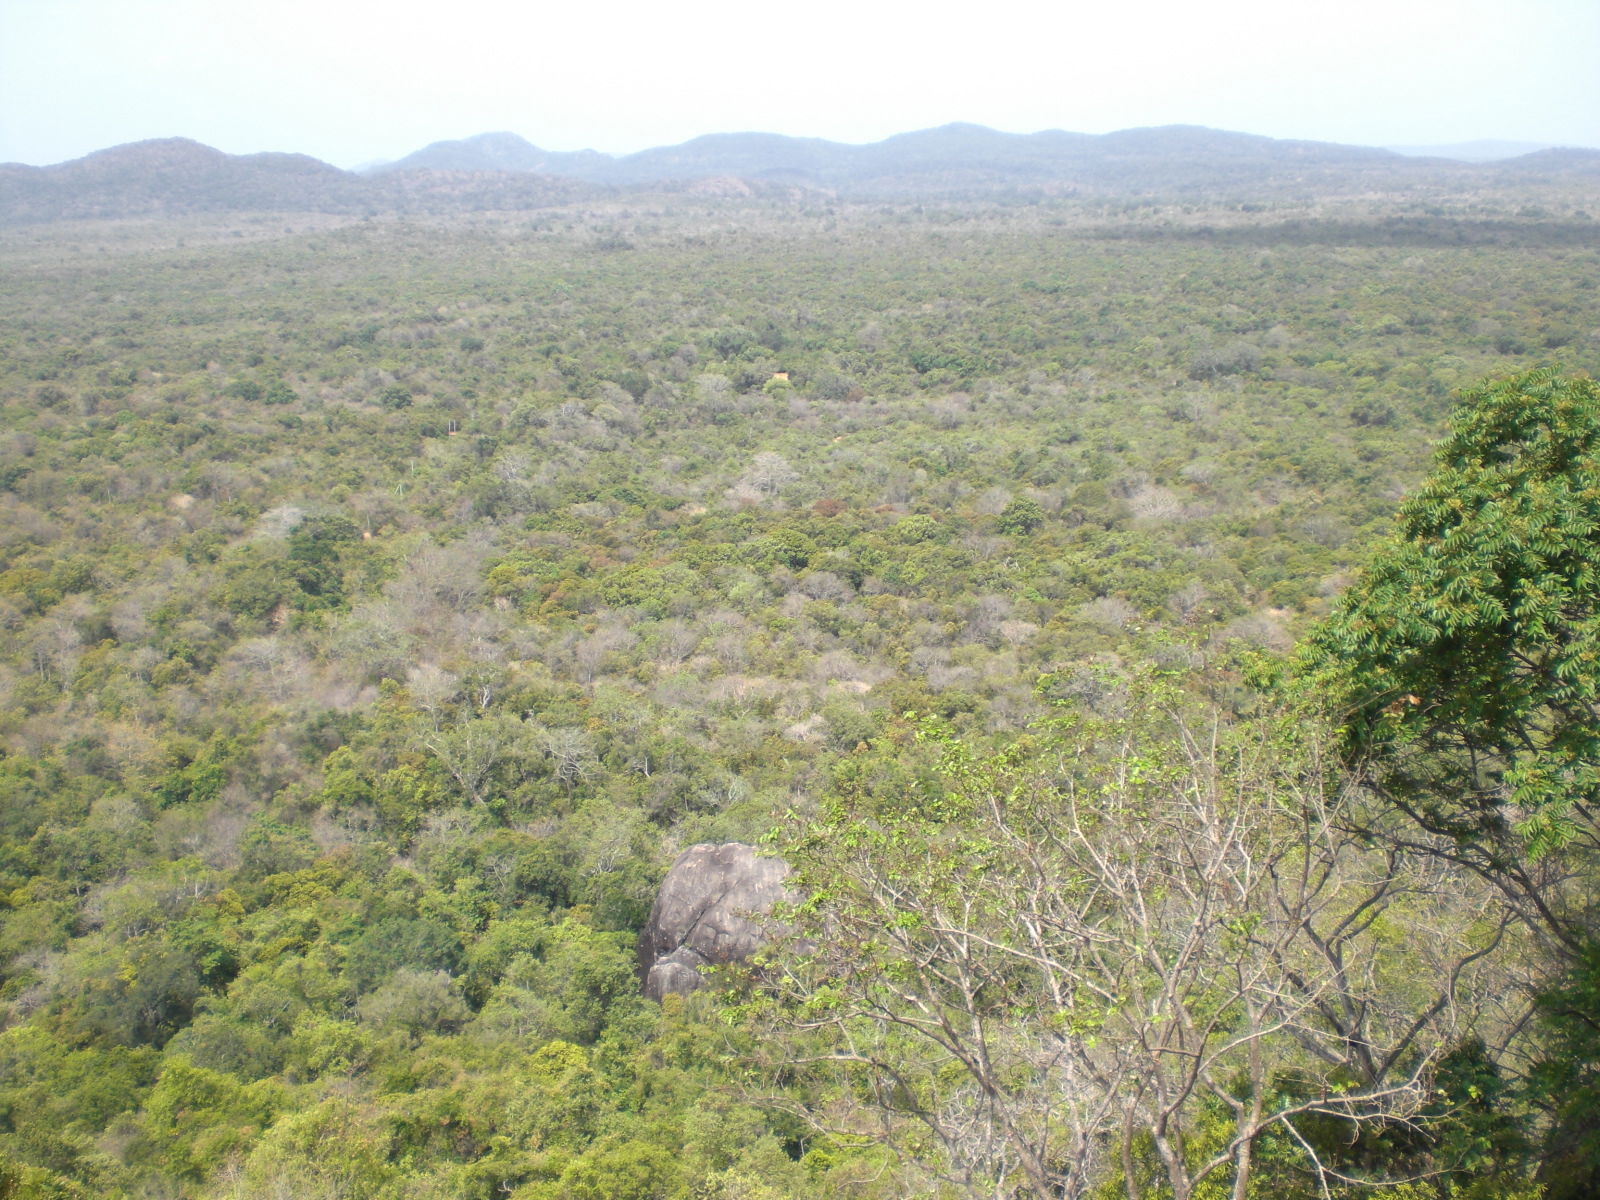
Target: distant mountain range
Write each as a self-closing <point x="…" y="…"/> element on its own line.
<point x="504" y="171"/>
<point x="1132" y="158"/>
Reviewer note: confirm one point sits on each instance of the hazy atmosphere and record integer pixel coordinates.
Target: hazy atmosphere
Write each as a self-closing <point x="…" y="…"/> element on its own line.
<point x="349" y="85"/>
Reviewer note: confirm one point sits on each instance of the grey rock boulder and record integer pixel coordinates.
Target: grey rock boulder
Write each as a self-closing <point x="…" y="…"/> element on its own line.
<point x="708" y="912"/>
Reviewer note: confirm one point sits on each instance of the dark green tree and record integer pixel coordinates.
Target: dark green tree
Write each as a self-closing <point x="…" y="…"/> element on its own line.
<point x="1466" y="662"/>
<point x="1467" y="666"/>
<point x="1022" y="516"/>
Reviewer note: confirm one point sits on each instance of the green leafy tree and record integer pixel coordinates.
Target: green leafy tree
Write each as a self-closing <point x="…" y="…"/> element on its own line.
<point x="1022" y="516"/>
<point x="1467" y="666"/>
<point x="1466" y="662"/>
<point x="195" y="1118"/>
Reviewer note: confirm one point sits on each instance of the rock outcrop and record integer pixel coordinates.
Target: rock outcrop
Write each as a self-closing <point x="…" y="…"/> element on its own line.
<point x="707" y="912"/>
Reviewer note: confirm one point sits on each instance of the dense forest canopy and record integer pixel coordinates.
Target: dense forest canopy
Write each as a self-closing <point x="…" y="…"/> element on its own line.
<point x="389" y="600"/>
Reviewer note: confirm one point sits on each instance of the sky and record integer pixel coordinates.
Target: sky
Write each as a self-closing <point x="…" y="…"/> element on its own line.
<point x="352" y="83"/>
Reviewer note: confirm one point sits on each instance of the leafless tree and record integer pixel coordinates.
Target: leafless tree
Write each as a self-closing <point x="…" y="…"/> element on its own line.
<point x="432" y="689"/>
<point x="472" y="751"/>
<point x="1056" y="971"/>
<point x="271" y="666"/>
<point x="570" y="751"/>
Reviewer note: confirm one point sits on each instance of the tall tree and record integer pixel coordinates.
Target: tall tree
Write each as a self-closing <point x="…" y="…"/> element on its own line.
<point x="1466" y="666"/>
<point x="1466" y="662"/>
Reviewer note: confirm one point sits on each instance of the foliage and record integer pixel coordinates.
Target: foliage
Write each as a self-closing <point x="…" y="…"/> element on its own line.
<point x="1469" y="653"/>
<point x="1568" y="1078"/>
<point x="386" y="601"/>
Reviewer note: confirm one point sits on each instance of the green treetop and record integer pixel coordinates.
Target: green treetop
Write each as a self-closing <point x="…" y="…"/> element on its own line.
<point x="1465" y="661"/>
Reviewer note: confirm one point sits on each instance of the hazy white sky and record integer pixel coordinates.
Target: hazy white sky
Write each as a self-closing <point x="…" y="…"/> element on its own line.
<point x="351" y="82"/>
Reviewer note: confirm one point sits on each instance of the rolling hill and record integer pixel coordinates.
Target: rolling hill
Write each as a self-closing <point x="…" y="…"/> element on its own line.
<point x="503" y="171"/>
